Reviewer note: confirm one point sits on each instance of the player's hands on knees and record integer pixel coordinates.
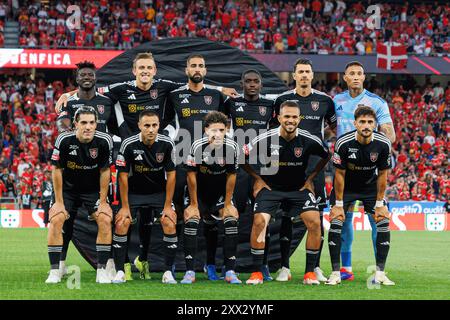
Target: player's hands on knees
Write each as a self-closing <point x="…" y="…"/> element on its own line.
<point x="170" y="214"/>
<point x="191" y="211"/>
<point x="230" y="211"/>
<point x="380" y="213"/>
<point x="258" y="186"/>
<point x="105" y="208"/>
<point x="122" y="216"/>
<point x="337" y="213"/>
<point x="309" y="185"/>
<point x="230" y="92"/>
<point x="57" y="208"/>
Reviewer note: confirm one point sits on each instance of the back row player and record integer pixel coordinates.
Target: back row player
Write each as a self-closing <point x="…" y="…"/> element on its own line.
<point x="143" y="93"/>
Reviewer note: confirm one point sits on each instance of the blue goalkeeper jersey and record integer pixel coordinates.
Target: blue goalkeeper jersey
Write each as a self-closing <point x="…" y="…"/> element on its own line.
<point x="346" y="105"/>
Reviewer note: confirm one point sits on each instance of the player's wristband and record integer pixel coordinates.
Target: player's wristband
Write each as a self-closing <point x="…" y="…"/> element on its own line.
<point x="219" y="88"/>
<point x="339" y="203"/>
<point x="379" y="204"/>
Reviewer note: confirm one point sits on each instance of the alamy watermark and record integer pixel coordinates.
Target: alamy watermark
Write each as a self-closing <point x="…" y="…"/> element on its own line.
<point x="371" y="284"/>
<point x="73" y="22"/>
<point x="73" y="277"/>
<point x="374" y="21"/>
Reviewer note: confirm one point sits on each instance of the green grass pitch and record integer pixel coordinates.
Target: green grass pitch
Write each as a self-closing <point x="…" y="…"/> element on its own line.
<point x="418" y="262"/>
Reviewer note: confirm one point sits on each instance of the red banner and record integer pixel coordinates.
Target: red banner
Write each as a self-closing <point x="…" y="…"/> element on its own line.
<point x="53" y="59"/>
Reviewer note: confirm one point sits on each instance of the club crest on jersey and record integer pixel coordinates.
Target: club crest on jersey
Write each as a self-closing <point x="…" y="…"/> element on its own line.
<point x="262" y="110"/>
<point x="298" y="152"/>
<point x="208" y="100"/>
<point x="100" y="108"/>
<point x="93" y="153"/>
<point x="373" y="156"/>
<point x="160" y="157"/>
<point x="315" y="105"/>
<point x="154" y="93"/>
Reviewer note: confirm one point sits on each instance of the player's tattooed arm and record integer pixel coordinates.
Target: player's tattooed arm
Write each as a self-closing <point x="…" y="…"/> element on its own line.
<point x="337" y="211"/>
<point x="388" y="130"/>
<point x="258" y="183"/>
<point x="309" y="183"/>
<point x="381" y="210"/>
<point x="58" y="206"/>
<point x="192" y="210"/>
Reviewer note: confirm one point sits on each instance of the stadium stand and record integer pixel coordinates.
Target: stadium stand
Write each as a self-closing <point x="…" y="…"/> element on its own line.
<point x="322" y="27"/>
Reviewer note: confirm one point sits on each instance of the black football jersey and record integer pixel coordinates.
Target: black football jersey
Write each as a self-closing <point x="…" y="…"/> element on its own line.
<point x="102" y="104"/>
<point x="147" y="166"/>
<point x="315" y="109"/>
<point x="362" y="162"/>
<point x="81" y="162"/>
<point x="284" y="163"/>
<point x="132" y="100"/>
<point x="249" y="115"/>
<point x="188" y="108"/>
<point x="212" y="164"/>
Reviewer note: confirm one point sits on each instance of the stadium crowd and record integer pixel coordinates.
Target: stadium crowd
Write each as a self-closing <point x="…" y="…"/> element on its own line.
<point x="421" y="119"/>
<point x="310" y="26"/>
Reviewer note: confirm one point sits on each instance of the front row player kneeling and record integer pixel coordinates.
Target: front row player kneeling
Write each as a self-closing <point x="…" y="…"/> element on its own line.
<point x="358" y="156"/>
<point x="81" y="175"/>
<point x="211" y="179"/>
<point x="144" y="161"/>
<point x="283" y="153"/>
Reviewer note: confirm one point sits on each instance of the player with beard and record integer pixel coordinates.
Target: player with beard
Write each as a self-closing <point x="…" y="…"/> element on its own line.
<point x="317" y="109"/>
<point x="284" y="153"/>
<point x="362" y="159"/>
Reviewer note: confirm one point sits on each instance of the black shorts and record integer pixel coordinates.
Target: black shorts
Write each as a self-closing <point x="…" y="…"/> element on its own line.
<point x="209" y="205"/>
<point x="146" y="204"/>
<point x="319" y="182"/>
<point x="73" y="201"/>
<point x="367" y="196"/>
<point x="294" y="203"/>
